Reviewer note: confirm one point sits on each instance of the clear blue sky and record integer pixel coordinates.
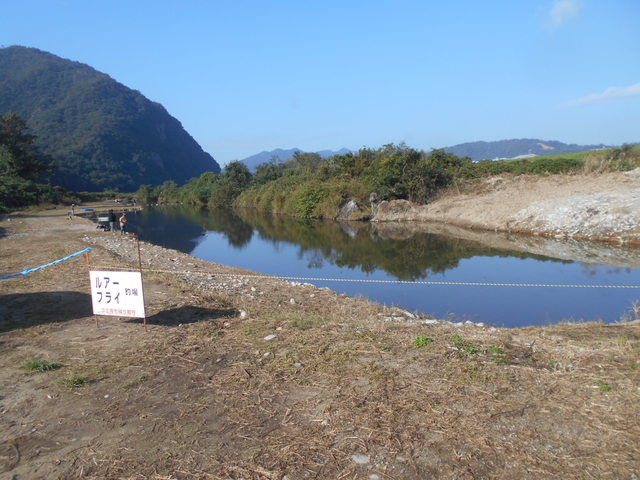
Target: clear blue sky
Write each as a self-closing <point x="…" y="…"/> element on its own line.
<point x="247" y="76"/>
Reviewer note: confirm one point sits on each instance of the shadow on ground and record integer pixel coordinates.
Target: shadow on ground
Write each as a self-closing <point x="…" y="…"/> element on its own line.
<point x="23" y="310"/>
<point x="186" y="314"/>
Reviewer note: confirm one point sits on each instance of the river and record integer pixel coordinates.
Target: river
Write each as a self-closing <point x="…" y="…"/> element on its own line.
<point x="373" y="258"/>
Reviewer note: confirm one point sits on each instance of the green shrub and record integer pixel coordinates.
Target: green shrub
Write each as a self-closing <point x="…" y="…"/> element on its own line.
<point x="307" y="199"/>
<point x="422" y="341"/>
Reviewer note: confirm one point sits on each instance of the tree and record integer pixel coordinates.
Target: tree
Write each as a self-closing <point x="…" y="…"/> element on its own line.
<point x="267" y="172"/>
<point x="18" y="155"/>
<point x="237" y="176"/>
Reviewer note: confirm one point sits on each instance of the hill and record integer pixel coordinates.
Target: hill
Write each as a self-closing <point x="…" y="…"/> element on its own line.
<point x="102" y="133"/>
<point x="280" y="155"/>
<point x="514" y="148"/>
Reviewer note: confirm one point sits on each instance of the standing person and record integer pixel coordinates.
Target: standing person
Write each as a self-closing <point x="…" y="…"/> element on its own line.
<point x="123" y="223"/>
<point x="112" y="220"/>
<point x="73" y="209"/>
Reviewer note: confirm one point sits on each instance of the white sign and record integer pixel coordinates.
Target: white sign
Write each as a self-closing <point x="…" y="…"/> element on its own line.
<point x="117" y="293"/>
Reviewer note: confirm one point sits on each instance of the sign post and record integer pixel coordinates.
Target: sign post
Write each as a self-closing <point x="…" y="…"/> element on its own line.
<point x="118" y="294"/>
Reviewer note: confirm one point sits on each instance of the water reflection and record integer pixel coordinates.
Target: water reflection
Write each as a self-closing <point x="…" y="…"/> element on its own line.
<point x="359" y="246"/>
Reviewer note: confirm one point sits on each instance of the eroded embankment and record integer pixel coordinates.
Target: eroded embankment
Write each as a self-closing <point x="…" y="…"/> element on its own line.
<point x="604" y="207"/>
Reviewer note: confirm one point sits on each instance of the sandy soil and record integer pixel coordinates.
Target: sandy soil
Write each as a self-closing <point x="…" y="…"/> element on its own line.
<point x="603" y="207"/>
<point x="241" y="377"/>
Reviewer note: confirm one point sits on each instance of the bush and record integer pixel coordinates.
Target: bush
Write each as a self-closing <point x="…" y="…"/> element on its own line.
<point x="307" y="199"/>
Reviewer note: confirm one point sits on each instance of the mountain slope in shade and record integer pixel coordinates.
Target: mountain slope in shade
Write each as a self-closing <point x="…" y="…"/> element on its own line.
<point x="102" y="133"/>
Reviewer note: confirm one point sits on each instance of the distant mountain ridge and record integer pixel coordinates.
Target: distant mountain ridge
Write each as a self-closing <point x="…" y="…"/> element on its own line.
<point x="475" y="150"/>
<point x="103" y="134"/>
<point x="516" y="147"/>
<point x="281" y="155"/>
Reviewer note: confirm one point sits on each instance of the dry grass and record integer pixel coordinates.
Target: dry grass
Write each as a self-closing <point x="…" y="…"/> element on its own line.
<point x="340" y="392"/>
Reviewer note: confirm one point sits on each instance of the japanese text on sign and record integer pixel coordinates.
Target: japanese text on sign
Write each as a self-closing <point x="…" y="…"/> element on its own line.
<point x="117" y="293"/>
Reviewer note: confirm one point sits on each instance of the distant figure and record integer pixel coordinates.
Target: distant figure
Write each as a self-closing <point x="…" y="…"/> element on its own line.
<point x="112" y="220"/>
<point x="123" y="223"/>
<point x="73" y="209"/>
<point x="373" y="199"/>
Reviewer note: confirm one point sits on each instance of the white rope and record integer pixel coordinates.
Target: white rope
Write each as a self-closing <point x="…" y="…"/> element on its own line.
<point x="366" y="280"/>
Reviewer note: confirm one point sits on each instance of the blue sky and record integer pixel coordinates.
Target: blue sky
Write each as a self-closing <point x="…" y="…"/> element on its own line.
<point x="248" y="76"/>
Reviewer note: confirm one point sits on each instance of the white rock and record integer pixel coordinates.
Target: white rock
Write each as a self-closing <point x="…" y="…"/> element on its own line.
<point x="360" y="459"/>
<point x="243" y="314"/>
<point x="272" y="336"/>
<point x="292" y="301"/>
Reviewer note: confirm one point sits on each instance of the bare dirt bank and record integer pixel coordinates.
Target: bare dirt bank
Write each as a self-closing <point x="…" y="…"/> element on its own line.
<point x="241" y="377"/>
<point x="603" y="207"/>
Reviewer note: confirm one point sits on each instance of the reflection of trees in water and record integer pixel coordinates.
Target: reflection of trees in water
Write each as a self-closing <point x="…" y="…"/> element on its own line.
<point x="358" y="247"/>
<point x="355" y="246"/>
<point x="166" y="227"/>
<point x="179" y="227"/>
<point x="592" y="270"/>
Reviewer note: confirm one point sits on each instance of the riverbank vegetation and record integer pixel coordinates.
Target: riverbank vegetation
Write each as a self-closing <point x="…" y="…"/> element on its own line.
<point x="307" y="186"/>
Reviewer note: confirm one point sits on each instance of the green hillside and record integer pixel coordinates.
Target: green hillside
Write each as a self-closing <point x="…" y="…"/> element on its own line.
<point x="101" y="133"/>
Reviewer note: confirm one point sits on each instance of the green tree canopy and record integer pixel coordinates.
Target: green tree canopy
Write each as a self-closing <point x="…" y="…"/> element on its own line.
<point x="18" y="155"/>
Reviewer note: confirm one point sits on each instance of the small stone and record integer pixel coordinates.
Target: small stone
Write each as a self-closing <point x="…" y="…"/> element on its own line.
<point x="360" y="459"/>
<point x="272" y="336"/>
<point x="292" y="301"/>
<point x="243" y="314"/>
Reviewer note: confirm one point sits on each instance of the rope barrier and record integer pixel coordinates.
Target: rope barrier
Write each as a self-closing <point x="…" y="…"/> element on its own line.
<point x="26" y="270"/>
<point x="400" y="282"/>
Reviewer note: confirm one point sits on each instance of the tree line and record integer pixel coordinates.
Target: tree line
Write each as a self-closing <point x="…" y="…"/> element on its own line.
<point x="308" y="186"/>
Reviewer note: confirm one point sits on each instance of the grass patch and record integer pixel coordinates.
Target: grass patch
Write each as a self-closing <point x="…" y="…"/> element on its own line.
<point x="461" y="345"/>
<point x="74" y="381"/>
<point x="422" y="341"/>
<point x="604" y="386"/>
<point x="498" y="355"/>
<point x="38" y="365"/>
<point x="307" y="322"/>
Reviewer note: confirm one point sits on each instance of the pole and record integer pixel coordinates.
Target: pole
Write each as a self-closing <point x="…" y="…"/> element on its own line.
<point x="141" y="279"/>
<point x="87" y="257"/>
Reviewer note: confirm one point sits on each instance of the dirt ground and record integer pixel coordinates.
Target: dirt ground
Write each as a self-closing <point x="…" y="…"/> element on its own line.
<point x="603" y="207"/>
<point x="242" y="377"/>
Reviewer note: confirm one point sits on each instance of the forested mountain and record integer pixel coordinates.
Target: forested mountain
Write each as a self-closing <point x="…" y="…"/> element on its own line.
<point x="101" y="133"/>
<point x="280" y="155"/>
<point x="515" y="147"/>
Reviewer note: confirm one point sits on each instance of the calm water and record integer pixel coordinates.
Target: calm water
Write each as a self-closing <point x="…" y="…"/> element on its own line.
<point x="287" y="247"/>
